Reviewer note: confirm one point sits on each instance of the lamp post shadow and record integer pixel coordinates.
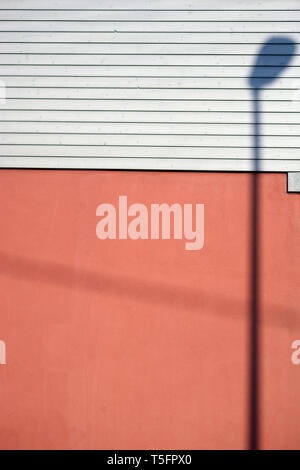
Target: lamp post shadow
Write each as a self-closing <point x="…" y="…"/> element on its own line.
<point x="273" y="57"/>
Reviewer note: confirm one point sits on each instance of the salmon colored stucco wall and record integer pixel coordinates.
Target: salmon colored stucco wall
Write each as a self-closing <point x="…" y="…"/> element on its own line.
<point x="123" y="344"/>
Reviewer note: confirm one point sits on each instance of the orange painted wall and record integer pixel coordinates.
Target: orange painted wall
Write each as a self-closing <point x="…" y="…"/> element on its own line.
<point x="123" y="344"/>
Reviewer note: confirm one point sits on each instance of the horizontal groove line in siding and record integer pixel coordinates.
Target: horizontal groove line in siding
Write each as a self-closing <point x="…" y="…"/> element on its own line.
<point x="133" y="42"/>
<point x="148" y="99"/>
<point x="149" y="21"/>
<point x="142" y="65"/>
<point x="148" y="122"/>
<point x="150" y="146"/>
<point x="144" y="133"/>
<point x="142" y="111"/>
<point x="155" y="64"/>
<point x="154" y="158"/>
<point x="133" y="76"/>
<point x="137" y="53"/>
<point x="141" y="88"/>
<point x="144" y="9"/>
<point x="144" y="32"/>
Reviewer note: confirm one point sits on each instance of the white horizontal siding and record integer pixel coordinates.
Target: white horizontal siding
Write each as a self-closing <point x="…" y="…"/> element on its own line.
<point x="175" y="37"/>
<point x="150" y="128"/>
<point x="160" y="106"/>
<point x="222" y="143"/>
<point x="113" y="15"/>
<point x="117" y="48"/>
<point x="146" y="27"/>
<point x="138" y="60"/>
<point x="145" y="84"/>
<point x="138" y="151"/>
<point x="207" y="83"/>
<point x="159" y="5"/>
<point x="137" y="117"/>
<point x="144" y="163"/>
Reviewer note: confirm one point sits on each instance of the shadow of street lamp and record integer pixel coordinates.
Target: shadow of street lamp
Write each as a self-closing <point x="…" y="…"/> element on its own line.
<point x="273" y="57"/>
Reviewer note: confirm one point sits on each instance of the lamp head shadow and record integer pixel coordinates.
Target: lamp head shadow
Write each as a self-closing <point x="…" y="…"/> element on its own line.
<point x="273" y="57"/>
